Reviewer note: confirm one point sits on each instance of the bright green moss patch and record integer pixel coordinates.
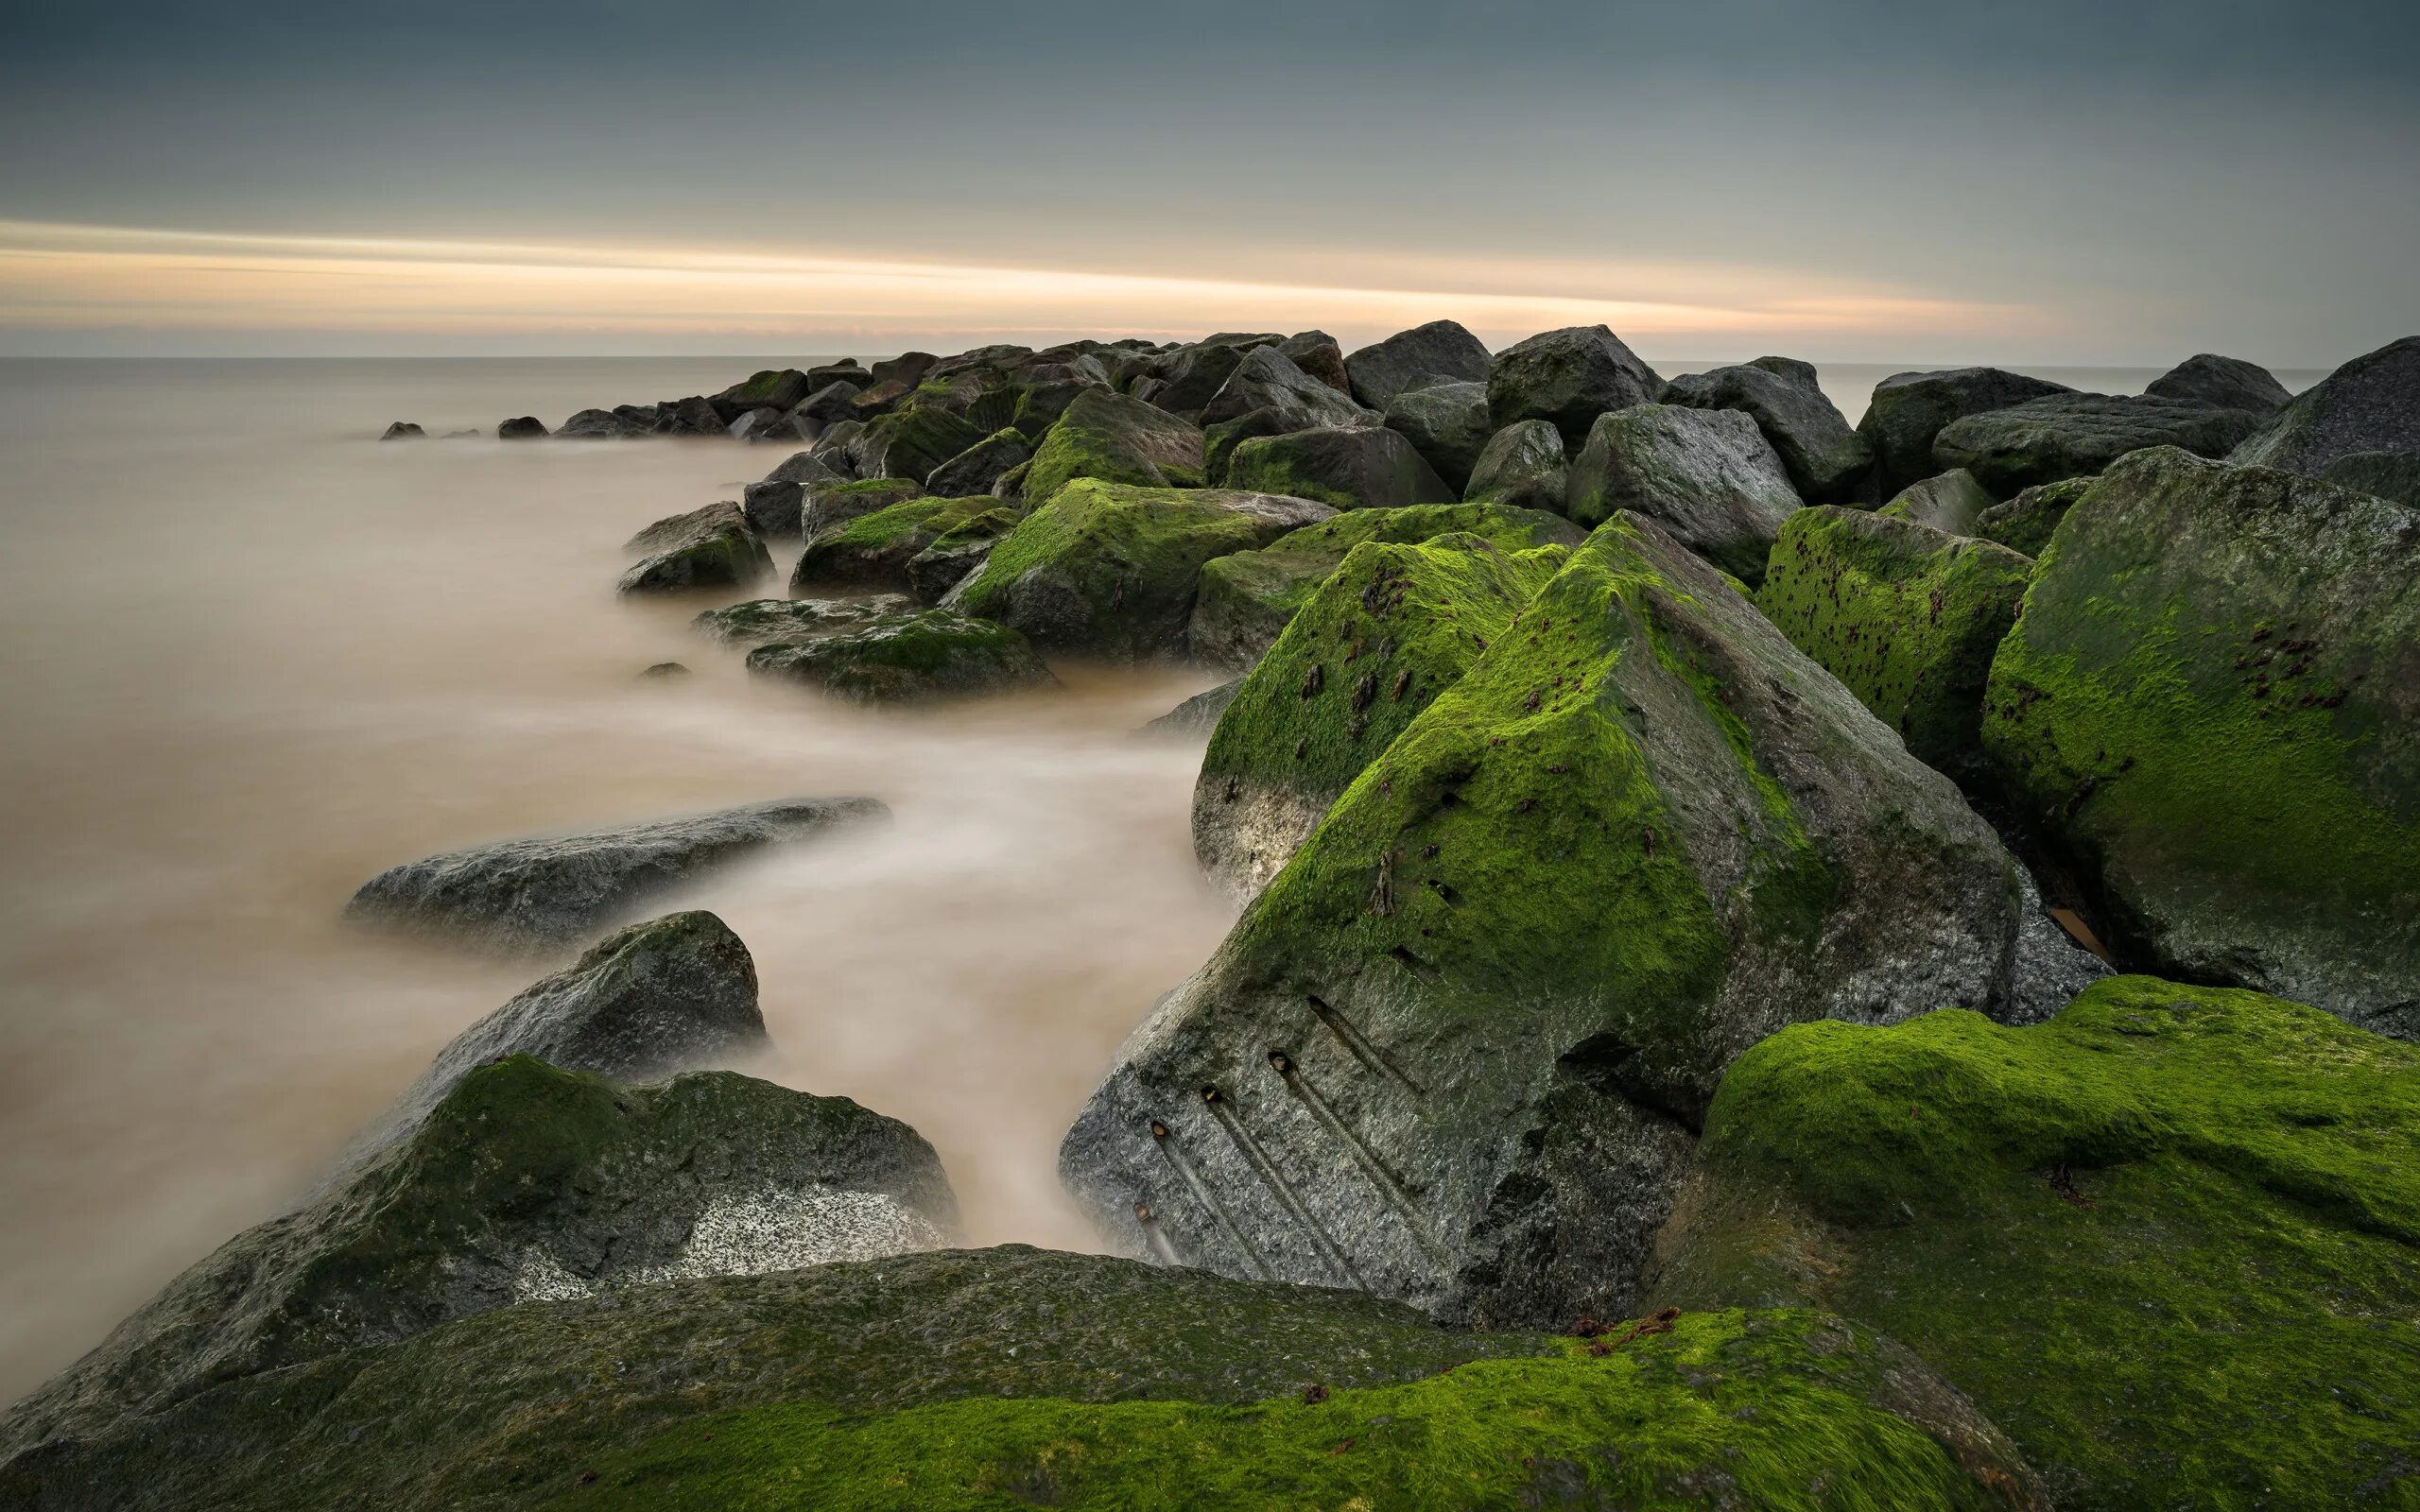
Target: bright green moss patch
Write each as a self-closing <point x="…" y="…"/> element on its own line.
<point x="1776" y="1411"/>
<point x="1906" y="615"/>
<point x="1117" y="440"/>
<point x="905" y="658"/>
<point x="2169" y="1241"/>
<point x="2025" y="524"/>
<point x="874" y="550"/>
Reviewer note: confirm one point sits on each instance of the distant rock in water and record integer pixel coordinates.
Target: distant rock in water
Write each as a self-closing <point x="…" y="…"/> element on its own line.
<point x="2229" y="383"/>
<point x="705" y="548"/>
<point x="543" y="893"/>
<point x="588" y="425"/>
<point x="762" y="621"/>
<point x="403" y="430"/>
<point x="664" y="671"/>
<point x="524" y="428"/>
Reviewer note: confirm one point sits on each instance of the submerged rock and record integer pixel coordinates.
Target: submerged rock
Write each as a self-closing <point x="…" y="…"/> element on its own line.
<point x="1352" y="469"/>
<point x="2229" y="383"/>
<point x="882" y="549"/>
<point x="707" y="548"/>
<point x="544" y="892"/>
<point x="1448" y="424"/>
<point x="1705" y="475"/>
<point x="524" y="428"/>
<point x="1828" y="462"/>
<point x="1568" y="378"/>
<point x="2212" y="699"/>
<point x="1953" y="502"/>
<point x="1908" y="410"/>
<point x="1440" y="352"/>
<point x="1522" y="465"/>
<point x="403" y="430"/>
<point x="2066" y="436"/>
<point x="1117" y="440"/>
<point x="763" y="620"/>
<point x="2372" y="403"/>
<point x="933" y="653"/>
<point x="588" y="425"/>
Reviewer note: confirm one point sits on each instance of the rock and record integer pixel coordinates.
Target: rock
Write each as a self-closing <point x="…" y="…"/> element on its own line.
<point x="1117" y="440"/>
<point x="403" y="430"/>
<point x="876" y="550"/>
<point x="471" y="435"/>
<point x="1197" y="716"/>
<point x="525" y="1182"/>
<point x="2052" y="1214"/>
<point x="527" y="428"/>
<point x="675" y="531"/>
<point x="910" y="443"/>
<point x="1905" y="614"/>
<point x="1828" y="463"/>
<point x="1351" y="468"/>
<point x="2068" y="436"/>
<point x="768" y="427"/>
<point x="2389" y="474"/>
<point x="878" y="400"/>
<point x="1219" y="441"/>
<point x="846" y="370"/>
<point x="2212" y="702"/>
<point x="1246" y="599"/>
<point x="719" y="554"/>
<point x="908" y="367"/>
<point x="1379" y="639"/>
<point x="777" y="389"/>
<point x="1440" y="352"/>
<point x="776" y="510"/>
<point x="804" y="468"/>
<point x="1267" y="379"/>
<point x="543" y="893"/>
<point x="1568" y="377"/>
<point x="1448" y="424"/>
<point x="1908" y="410"/>
<point x="694" y="416"/>
<point x="1110" y="569"/>
<point x="664" y="672"/>
<point x="2372" y="403"/>
<point x="1041" y="406"/>
<point x="1952" y="501"/>
<point x="588" y="425"/>
<point x="933" y="653"/>
<point x="835" y="448"/>
<point x="1523" y="465"/>
<point x="980" y="467"/>
<point x="762" y="621"/>
<point x="828" y="508"/>
<point x="1317" y="354"/>
<point x="2024" y="525"/>
<point x="2227" y="383"/>
<point x="1706" y="475"/>
<point x="1454" y="1051"/>
<point x="1191" y="376"/>
<point x="829" y="405"/>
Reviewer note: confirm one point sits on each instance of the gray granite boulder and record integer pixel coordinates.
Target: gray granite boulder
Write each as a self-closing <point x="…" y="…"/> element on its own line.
<point x="1909" y="409"/>
<point x="1569" y="377"/>
<point x="1828" y="462"/>
<point x="1267" y="379"/>
<point x="1952" y="501"/>
<point x="2372" y="403"/>
<point x="2068" y="436"/>
<point x="2229" y="383"/>
<point x="1356" y="468"/>
<point x="2389" y="474"/>
<point x="1448" y="424"/>
<point x="1523" y="465"/>
<point x="679" y="530"/>
<point x="1439" y="352"/>
<point x="1705" y="475"/>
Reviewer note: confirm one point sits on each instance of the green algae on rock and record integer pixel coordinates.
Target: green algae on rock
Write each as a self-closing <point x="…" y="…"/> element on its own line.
<point x="910" y="443"/>
<point x="877" y="549"/>
<point x="1117" y="440"/>
<point x="2212" y="701"/>
<point x="933" y="653"/>
<point x="2025" y="523"/>
<point x="825" y="507"/>
<point x="1907" y="616"/>
<point x="1393" y="626"/>
<point x="1350" y="466"/>
<point x="1951" y="501"/>
<point x="706" y="548"/>
<point x="2167" y="1240"/>
<point x="760" y="621"/>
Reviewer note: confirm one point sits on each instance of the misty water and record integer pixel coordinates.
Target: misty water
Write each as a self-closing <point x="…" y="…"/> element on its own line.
<point x="252" y="655"/>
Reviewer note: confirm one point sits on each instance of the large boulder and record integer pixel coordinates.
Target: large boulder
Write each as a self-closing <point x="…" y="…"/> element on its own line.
<point x="827" y="507"/>
<point x="980" y="467"/>
<point x="1317" y="354"/>
<point x="1952" y="501"/>
<point x="1706" y="475"/>
<point x="2212" y="701"/>
<point x="880" y="550"/>
<point x="908" y="367"/>
<point x="1908" y="410"/>
<point x="1828" y="462"/>
<point x="524" y="1183"/>
<point x="546" y="892"/>
<point x="403" y="430"/>
<point x="1189" y="377"/>
<point x="2169" y="1240"/>
<point x="1246" y="599"/>
<point x="2025" y="523"/>
<point x="912" y="658"/>
<point x="2389" y="474"/>
<point x="776" y="505"/>
<point x="1117" y="440"/>
<point x="1381" y="636"/>
<point x="1448" y="424"/>
<point x="1440" y="352"/>
<point x="523" y="428"/>
<point x="1358" y="467"/>
<point x="829" y="405"/>
<point x="675" y="531"/>
<point x="1110" y="569"/>
<point x="1454" y="1052"/>
<point x="2372" y="403"/>
<point x="2228" y="383"/>
<point x="1523" y="465"/>
<point x="1267" y="379"/>
<point x="2068" y="436"/>
<point x="588" y="425"/>
<point x="704" y="549"/>
<point x="693" y="416"/>
<point x="1567" y="377"/>
<point x="1905" y="614"/>
<point x="762" y="621"/>
<point x="910" y="443"/>
<point x="779" y="389"/>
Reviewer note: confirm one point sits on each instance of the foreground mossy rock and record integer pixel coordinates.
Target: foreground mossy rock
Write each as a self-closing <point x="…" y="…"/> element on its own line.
<point x="1442" y="352"/>
<point x="2372" y="403"/>
<point x="1381" y="635"/>
<point x="933" y="653"/>
<point x="524" y="1183"/>
<point x="675" y="531"/>
<point x="1828" y="462"/>
<point x="763" y="620"/>
<point x="910" y="443"/>
<point x="877" y="549"/>
<point x="1110" y="569"/>
<point x="2230" y="382"/>
<point x="1522" y="465"/>
<point x="2066" y="435"/>
<point x="1953" y="501"/>
<point x="1246" y="599"/>
<point x="707" y="548"/>
<point x="1908" y="410"/>
<point x="1117" y="440"/>
<point x="2212" y="699"/>
<point x="1907" y="616"/>
<point x="2025" y="523"/>
<point x="2168" y="1241"/>
<point x="1359" y="468"/>
<point x="2389" y="474"/>
<point x="549" y="891"/>
<point x="1448" y="424"/>
<point x="1705" y="475"/>
<point x="1567" y="378"/>
<point x="1454" y="1051"/>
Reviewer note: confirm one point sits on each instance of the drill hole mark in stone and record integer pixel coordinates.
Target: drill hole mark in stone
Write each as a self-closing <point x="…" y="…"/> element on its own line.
<point x="1359" y="1046"/>
<point x="1154" y="1238"/>
<point x="1258" y="1158"/>
<point x="1201" y="1189"/>
<point x="1392" y="1191"/>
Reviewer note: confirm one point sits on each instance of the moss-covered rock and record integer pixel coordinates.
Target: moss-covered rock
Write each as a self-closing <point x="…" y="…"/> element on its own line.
<point x="1522" y="465"/>
<point x="977" y="470"/>
<point x="1453" y="1052"/>
<point x="525" y="1182"/>
<point x="1706" y="475"/>
<point x="1359" y="468"/>
<point x="2025" y="523"/>
<point x="760" y="621"/>
<point x="2066" y="435"/>
<point x="1382" y="633"/>
<point x="2169" y="1240"/>
<point x="875" y="551"/>
<point x="705" y="549"/>
<point x="2212" y="699"/>
<point x="1909" y="409"/>
<point x="774" y="388"/>
<point x="1908" y="616"/>
<point x="1117" y="440"/>
<point x="1245" y="599"/>
<point x="912" y="443"/>
<point x="1110" y="569"/>
<point x="933" y="653"/>
<point x="828" y="508"/>
<point x="675" y="531"/>
<point x="1951" y="501"/>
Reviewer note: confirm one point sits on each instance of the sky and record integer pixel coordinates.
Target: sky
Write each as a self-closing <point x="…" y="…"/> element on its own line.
<point x="1853" y="180"/>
